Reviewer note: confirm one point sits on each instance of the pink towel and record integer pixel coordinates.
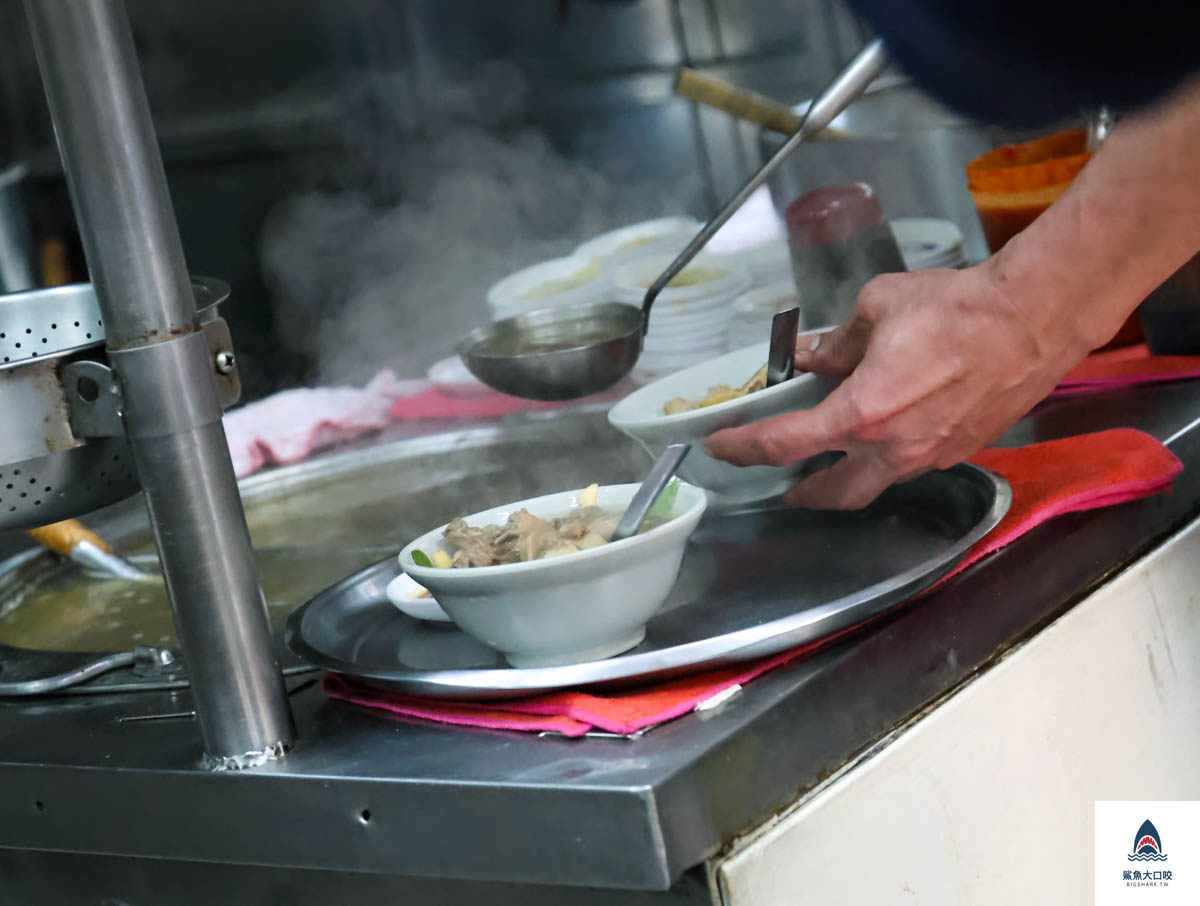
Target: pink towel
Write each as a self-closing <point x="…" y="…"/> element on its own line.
<point x="289" y="426"/>
<point x="1059" y="476"/>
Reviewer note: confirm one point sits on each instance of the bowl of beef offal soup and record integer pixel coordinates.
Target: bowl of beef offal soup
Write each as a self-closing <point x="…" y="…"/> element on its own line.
<point x="539" y="581"/>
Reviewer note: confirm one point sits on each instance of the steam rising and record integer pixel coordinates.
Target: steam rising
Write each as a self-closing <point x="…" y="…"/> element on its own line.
<point x="459" y="192"/>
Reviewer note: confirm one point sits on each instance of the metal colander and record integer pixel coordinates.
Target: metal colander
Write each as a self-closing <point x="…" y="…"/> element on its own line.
<point x="61" y="485"/>
<point x="66" y="319"/>
<point x="54" y="462"/>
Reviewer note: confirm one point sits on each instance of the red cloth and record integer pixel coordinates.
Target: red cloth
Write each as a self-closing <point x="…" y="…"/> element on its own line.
<point x="1125" y="367"/>
<point x="433" y="404"/>
<point x="1058" y="476"/>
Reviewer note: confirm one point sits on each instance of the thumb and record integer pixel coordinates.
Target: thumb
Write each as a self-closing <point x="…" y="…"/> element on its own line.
<point x="837" y="351"/>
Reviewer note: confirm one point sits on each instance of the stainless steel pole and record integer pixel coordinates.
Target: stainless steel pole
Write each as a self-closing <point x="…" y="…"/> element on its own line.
<point x="170" y="404"/>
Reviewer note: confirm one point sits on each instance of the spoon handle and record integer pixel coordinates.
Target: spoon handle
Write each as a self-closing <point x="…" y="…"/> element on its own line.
<point x="781" y="360"/>
<point x="647" y="495"/>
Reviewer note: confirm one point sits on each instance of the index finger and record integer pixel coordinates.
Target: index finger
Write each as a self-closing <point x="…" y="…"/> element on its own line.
<point x="784" y="439"/>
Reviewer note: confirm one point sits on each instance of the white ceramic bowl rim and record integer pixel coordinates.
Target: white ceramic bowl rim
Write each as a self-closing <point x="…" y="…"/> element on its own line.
<point x="698" y="501"/>
<point x="670" y="332"/>
<point x="757" y="299"/>
<point x="681" y="350"/>
<point x="507" y="293"/>
<point x="628" y="277"/>
<point x="682" y="418"/>
<point x="681" y="344"/>
<point x="658" y="228"/>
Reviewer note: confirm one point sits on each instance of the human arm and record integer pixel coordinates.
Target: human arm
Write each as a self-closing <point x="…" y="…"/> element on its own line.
<point x="940" y="363"/>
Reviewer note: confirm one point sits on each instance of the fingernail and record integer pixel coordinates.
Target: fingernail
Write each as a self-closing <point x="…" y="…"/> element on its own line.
<point x="816" y="341"/>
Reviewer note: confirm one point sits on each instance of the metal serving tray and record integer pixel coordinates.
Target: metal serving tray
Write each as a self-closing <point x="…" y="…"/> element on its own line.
<point x="751" y="585"/>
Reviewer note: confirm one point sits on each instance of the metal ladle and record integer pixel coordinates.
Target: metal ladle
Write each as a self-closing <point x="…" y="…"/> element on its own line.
<point x="573" y="351"/>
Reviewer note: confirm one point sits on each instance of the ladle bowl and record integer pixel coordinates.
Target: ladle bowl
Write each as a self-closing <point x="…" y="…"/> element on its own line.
<point x="556" y="353"/>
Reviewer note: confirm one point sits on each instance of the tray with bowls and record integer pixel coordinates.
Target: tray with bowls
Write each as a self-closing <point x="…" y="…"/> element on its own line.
<point x="700" y="590"/>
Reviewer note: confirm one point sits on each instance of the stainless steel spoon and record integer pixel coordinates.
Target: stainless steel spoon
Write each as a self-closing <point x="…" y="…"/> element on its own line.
<point x="781" y="360"/>
<point x="647" y="495"/>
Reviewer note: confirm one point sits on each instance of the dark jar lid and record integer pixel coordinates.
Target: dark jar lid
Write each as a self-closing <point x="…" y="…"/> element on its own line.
<point x="833" y="214"/>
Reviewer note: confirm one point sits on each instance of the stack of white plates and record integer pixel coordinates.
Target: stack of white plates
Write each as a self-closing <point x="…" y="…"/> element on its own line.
<point x="753" y="311"/>
<point x="688" y="322"/>
<point x="927" y="242"/>
<point x="752" y="225"/>
<point x="561" y="281"/>
<point x="651" y="237"/>
<point x="767" y="263"/>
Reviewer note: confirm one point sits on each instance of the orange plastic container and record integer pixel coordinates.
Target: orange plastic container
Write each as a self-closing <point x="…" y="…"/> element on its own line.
<point x="1014" y="184"/>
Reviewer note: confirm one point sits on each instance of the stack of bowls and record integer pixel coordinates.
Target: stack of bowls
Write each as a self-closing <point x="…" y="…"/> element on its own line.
<point x="572" y="280"/>
<point x="927" y="242"/>
<point x="689" y="320"/>
<point x="766" y="264"/>
<point x="753" y="311"/>
<point x="666" y="235"/>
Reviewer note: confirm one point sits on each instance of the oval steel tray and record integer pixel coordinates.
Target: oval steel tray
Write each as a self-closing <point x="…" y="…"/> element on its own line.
<point x="751" y="585"/>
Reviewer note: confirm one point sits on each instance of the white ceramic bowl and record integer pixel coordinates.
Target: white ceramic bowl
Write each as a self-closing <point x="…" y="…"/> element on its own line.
<point x="404" y="592"/>
<point x="666" y="234"/>
<point x="632" y="280"/>
<point x="684" y="359"/>
<point x="534" y="287"/>
<point x="655" y="367"/>
<point x="929" y="242"/>
<point x="683" y="338"/>
<point x="687" y="323"/>
<point x="754" y="310"/>
<point x="766" y="263"/>
<point x="640" y="415"/>
<point x="569" y="609"/>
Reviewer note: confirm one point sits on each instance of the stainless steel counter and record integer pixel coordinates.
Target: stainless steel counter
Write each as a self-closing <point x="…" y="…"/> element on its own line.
<point x="364" y="794"/>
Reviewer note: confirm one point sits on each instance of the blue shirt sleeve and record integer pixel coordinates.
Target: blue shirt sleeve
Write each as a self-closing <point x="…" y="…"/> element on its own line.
<point x="1024" y="63"/>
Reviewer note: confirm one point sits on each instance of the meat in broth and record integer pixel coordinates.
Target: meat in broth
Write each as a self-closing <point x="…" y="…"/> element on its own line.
<point x="526" y="537"/>
<point x="721" y="393"/>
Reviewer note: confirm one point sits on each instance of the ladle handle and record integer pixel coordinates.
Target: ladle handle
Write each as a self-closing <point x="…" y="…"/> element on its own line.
<point x="61" y="537"/>
<point x="851" y="82"/>
<point x="746" y="105"/>
<point x="71" y="538"/>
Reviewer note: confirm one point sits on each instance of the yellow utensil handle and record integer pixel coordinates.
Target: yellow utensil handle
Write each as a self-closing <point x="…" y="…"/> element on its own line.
<point x="747" y="105"/>
<point x="61" y="537"/>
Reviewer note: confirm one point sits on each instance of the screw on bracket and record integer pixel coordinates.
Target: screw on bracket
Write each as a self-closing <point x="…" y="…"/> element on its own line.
<point x="225" y="361"/>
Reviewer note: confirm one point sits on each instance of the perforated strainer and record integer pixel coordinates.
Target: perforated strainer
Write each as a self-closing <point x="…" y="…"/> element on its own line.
<point x="50" y="467"/>
<point x="66" y="319"/>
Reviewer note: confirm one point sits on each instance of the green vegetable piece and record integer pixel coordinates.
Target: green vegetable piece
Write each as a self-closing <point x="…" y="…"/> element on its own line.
<point x="420" y="559"/>
<point x="666" y="501"/>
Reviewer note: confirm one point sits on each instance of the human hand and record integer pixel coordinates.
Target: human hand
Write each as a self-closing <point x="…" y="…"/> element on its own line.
<point x="940" y="363"/>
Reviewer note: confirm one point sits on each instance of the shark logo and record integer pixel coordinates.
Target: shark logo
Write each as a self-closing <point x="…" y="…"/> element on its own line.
<point x="1147" y="845"/>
